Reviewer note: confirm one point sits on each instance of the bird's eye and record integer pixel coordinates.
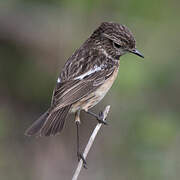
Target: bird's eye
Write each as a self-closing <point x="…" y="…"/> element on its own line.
<point x="116" y="45"/>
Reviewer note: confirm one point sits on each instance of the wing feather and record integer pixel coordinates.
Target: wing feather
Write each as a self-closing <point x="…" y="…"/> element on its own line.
<point x="72" y="91"/>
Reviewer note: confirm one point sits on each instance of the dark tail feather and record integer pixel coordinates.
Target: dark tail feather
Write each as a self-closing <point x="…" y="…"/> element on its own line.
<point x="55" y="122"/>
<point x="49" y="123"/>
<point x="37" y="125"/>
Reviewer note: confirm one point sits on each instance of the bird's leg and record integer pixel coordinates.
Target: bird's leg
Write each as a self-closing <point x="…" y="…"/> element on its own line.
<point x="100" y="117"/>
<point x="79" y="155"/>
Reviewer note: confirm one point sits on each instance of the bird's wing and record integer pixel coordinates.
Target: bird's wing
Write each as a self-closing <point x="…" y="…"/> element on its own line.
<point x="69" y="92"/>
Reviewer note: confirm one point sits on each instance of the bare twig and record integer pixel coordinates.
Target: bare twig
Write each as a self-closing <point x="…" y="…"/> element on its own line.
<point x="90" y="142"/>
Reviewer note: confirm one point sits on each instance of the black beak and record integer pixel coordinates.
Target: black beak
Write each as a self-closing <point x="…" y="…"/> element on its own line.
<point x="135" y="51"/>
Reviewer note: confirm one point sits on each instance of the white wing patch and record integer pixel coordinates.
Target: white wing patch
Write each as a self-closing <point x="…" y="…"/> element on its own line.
<point x="58" y="80"/>
<point x="91" y="71"/>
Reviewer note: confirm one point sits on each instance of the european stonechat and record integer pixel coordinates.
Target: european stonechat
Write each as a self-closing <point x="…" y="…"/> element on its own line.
<point x="86" y="77"/>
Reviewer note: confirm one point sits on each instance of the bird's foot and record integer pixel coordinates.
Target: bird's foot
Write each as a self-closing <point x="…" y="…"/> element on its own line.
<point x="101" y="119"/>
<point x="81" y="157"/>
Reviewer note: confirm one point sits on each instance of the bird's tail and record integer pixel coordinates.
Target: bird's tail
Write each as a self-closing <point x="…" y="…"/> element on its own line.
<point x="49" y="123"/>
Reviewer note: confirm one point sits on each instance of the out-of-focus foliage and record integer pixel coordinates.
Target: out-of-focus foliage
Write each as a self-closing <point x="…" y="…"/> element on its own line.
<point x="143" y="139"/>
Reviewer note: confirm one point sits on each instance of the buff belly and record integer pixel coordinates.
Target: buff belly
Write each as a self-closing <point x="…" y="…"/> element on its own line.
<point x="95" y="97"/>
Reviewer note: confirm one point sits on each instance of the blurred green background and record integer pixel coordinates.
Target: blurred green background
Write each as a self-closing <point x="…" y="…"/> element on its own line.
<point x="142" y="141"/>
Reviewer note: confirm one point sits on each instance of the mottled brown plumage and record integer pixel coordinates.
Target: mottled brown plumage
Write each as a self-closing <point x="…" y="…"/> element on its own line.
<point x="86" y="77"/>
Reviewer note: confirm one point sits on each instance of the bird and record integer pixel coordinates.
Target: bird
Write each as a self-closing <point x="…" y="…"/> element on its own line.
<point x="86" y="78"/>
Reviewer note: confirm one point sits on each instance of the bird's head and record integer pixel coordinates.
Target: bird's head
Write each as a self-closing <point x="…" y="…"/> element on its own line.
<point x="115" y="39"/>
